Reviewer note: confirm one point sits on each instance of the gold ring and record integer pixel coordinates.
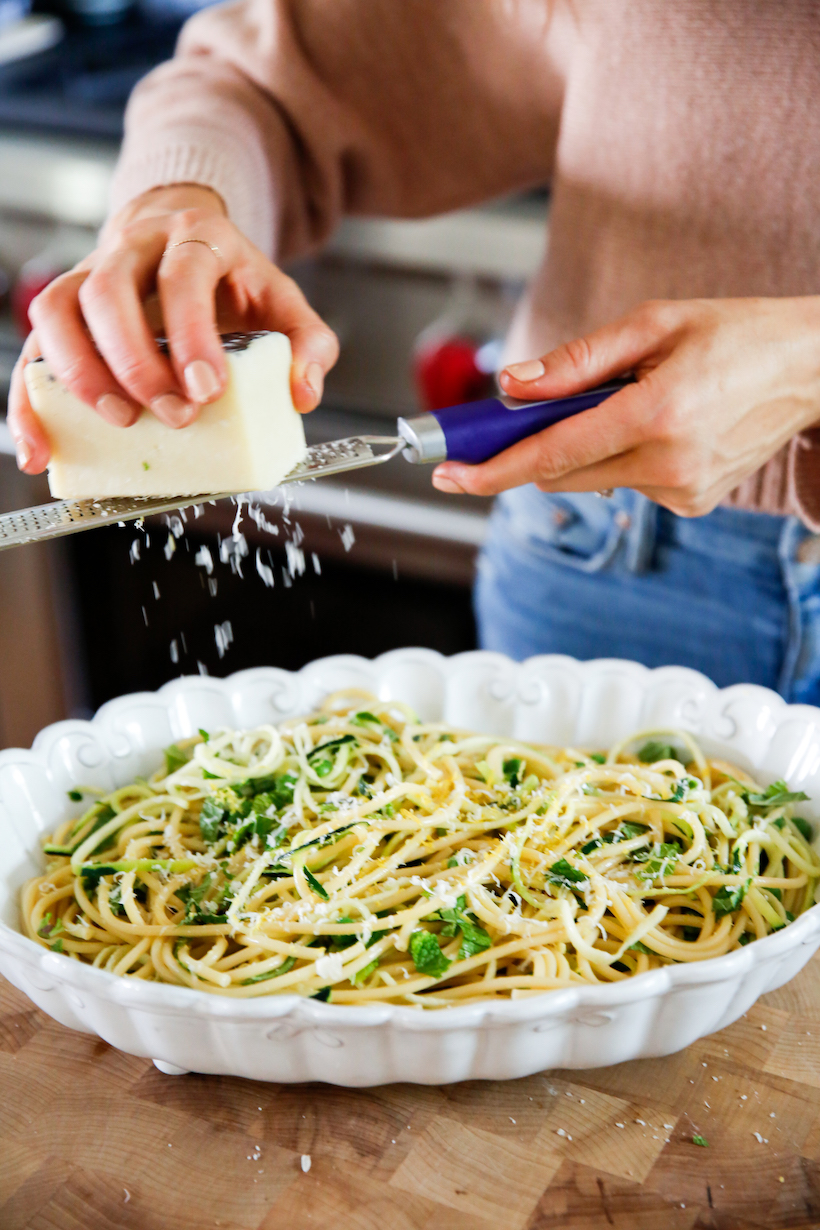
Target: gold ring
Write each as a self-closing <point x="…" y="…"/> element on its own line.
<point x="180" y="242"/>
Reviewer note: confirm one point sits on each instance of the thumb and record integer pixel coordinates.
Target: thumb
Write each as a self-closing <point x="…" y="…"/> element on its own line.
<point x="581" y="364"/>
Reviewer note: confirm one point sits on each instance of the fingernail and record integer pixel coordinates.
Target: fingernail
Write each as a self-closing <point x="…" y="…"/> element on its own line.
<point x="442" y="482"/>
<point x="531" y="370"/>
<point x="24" y="452"/>
<point x="115" y="410"/>
<point x="315" y="379"/>
<point x="201" y="381"/>
<point x="173" y="410"/>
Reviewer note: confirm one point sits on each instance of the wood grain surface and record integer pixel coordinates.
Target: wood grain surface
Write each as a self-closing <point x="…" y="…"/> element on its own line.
<point x="91" y="1139"/>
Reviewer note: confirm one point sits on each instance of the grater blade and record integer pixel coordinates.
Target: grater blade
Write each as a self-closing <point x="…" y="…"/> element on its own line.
<point x="70" y="516"/>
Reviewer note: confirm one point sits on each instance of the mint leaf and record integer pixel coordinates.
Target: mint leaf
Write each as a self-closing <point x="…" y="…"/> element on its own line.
<point x="512" y="770"/>
<point x="175" y="758"/>
<point x="776" y="795"/>
<point x="598" y="757"/>
<point x="659" y="859"/>
<point x="653" y="750"/>
<point x="564" y="874"/>
<point x="729" y="897"/>
<point x="700" y="1140"/>
<point x="210" y="819"/>
<point x="427" y="955"/>
<point x="803" y="827"/>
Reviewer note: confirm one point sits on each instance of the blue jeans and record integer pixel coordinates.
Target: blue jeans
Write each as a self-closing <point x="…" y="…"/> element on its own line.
<point x="734" y="594"/>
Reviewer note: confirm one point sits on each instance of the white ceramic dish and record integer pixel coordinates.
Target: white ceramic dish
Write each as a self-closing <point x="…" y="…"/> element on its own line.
<point x="285" y="1038"/>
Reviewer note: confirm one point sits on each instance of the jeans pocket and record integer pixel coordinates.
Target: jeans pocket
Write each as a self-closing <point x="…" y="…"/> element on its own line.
<point x="578" y="531"/>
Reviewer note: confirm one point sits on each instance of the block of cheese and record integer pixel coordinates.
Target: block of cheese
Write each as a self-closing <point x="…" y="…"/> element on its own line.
<point x="248" y="440"/>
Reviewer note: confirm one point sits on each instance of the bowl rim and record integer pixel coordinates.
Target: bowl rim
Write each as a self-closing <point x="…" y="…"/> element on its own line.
<point x="166" y="999"/>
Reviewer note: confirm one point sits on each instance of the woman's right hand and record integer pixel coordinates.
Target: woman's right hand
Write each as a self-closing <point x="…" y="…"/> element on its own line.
<point x="92" y="323"/>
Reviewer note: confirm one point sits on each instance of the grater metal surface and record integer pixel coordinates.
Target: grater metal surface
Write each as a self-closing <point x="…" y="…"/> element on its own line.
<point x="70" y="516"/>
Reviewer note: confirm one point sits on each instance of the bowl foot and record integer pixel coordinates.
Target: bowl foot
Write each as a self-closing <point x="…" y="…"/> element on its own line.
<point x="170" y="1069"/>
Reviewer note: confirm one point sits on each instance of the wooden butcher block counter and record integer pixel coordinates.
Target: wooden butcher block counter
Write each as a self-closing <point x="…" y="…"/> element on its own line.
<point x="91" y="1139"/>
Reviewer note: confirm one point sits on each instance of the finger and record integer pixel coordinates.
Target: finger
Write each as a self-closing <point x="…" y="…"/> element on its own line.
<point x="30" y="440"/>
<point x="282" y="306"/>
<point x="111" y="301"/>
<point x="616" y="426"/>
<point x="616" y="348"/>
<point x="187" y="278"/>
<point x="71" y="355"/>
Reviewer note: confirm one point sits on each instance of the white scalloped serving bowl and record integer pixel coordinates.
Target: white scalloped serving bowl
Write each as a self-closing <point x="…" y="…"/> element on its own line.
<point x="284" y="1038"/>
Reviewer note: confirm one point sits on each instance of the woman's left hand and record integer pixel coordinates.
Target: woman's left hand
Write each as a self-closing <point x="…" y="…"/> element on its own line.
<point x="722" y="385"/>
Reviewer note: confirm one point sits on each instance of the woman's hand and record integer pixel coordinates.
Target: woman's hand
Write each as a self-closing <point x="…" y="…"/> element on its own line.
<point x="93" y="326"/>
<point x="721" y="386"/>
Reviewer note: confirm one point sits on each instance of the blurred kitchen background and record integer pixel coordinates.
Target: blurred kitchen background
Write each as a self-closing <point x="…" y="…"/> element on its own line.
<point x="360" y="564"/>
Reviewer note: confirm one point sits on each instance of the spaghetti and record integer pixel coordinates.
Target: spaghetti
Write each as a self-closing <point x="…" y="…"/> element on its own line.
<point x="363" y="856"/>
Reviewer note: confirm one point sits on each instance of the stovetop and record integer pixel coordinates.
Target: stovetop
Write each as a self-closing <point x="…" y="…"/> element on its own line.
<point x="81" y="86"/>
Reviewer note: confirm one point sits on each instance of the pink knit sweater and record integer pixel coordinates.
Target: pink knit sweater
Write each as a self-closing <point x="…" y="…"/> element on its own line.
<point x="681" y="140"/>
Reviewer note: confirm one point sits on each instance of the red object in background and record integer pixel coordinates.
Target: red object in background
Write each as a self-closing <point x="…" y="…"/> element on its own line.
<point x="447" y="372"/>
<point x="34" y="277"/>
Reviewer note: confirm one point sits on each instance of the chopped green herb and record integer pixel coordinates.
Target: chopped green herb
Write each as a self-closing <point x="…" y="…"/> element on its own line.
<point x="598" y="757"/>
<point x="145" y="465"/>
<point x="175" y="758"/>
<point x="803" y="827"/>
<point x="627" y="830"/>
<point x="364" y="973"/>
<point x="457" y="919"/>
<point x="427" y="955"/>
<point x="729" y="898"/>
<point x="659" y="859"/>
<point x="691" y="934"/>
<point x="776" y="795"/>
<point x="745" y="938"/>
<point x="76" y="796"/>
<point x="564" y="874"/>
<point x="323" y="995"/>
<point x="57" y="946"/>
<point x="638" y="946"/>
<point x="315" y="886"/>
<point x="210" y="820"/>
<point x="652" y="751"/>
<point x="204" y="734"/>
<point x="512" y="770"/>
<point x="700" y="1140"/>
<point x="452" y="862"/>
<point x="286" y="965"/>
<point x="49" y="928"/>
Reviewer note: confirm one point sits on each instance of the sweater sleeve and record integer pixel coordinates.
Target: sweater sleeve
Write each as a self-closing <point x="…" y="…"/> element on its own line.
<point x="299" y="111"/>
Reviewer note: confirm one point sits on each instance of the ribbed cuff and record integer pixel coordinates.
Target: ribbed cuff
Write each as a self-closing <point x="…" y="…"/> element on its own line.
<point x="235" y="170"/>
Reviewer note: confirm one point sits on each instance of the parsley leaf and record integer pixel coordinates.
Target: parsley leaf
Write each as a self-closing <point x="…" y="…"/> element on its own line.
<point x="473" y="937"/>
<point x="598" y="757"/>
<point x="700" y="1140"/>
<point x="427" y="955"/>
<point x="75" y="795"/>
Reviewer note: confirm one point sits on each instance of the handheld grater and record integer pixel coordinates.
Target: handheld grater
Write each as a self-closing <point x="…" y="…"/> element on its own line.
<point x="472" y="433"/>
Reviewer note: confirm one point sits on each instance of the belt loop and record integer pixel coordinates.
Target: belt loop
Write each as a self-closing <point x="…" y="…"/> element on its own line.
<point x="640" y="534"/>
